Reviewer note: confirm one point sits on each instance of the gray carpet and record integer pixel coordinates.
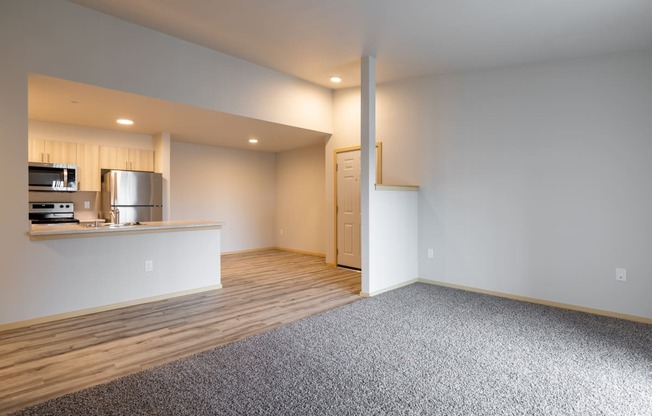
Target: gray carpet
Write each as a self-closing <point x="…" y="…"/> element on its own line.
<point x="419" y="350"/>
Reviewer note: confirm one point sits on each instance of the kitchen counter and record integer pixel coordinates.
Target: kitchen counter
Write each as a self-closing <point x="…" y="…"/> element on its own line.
<point x="61" y="231"/>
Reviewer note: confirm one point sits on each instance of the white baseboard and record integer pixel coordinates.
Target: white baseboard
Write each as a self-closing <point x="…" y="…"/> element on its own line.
<point x="388" y="289"/>
<point x="291" y="250"/>
<point x="249" y="250"/>
<point x="88" y="311"/>
<point x="308" y="253"/>
<point x="560" y="305"/>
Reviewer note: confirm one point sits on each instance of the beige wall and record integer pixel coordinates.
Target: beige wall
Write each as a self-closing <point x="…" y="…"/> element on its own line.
<point x="234" y="186"/>
<point x="346" y="128"/>
<point x="399" y="152"/>
<point x="256" y="194"/>
<point x="78" y="134"/>
<point x="300" y="203"/>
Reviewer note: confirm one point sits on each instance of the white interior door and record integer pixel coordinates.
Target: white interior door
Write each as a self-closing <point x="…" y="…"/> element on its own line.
<point x="349" y="251"/>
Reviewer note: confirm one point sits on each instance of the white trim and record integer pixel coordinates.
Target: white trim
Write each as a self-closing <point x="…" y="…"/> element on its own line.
<point x="388" y="289"/>
<point x="537" y="301"/>
<point x="104" y="308"/>
<point x="290" y="250"/>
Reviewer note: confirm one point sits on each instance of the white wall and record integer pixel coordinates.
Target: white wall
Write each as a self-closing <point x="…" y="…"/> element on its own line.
<point x="300" y="202"/>
<point x="535" y="180"/>
<point x="393" y="239"/>
<point x="233" y="186"/>
<point x="111" y="270"/>
<point x="64" y="40"/>
<point x="393" y="225"/>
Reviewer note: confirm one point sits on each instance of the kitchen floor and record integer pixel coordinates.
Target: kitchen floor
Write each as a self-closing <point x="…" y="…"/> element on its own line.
<point x="261" y="290"/>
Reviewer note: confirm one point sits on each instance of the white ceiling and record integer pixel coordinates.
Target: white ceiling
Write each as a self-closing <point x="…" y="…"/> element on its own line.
<point x="313" y="39"/>
<point x="66" y="102"/>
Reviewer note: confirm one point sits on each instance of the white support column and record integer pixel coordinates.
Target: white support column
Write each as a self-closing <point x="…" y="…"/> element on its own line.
<point x="162" y="150"/>
<point x="368" y="148"/>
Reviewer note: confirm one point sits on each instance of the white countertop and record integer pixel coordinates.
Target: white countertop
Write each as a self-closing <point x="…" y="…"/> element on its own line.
<point x="58" y="231"/>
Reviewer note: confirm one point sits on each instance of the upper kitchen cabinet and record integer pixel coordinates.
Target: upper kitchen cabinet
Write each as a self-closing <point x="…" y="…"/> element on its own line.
<point x="126" y="159"/>
<point x="48" y="151"/>
<point x="142" y="159"/>
<point x="88" y="168"/>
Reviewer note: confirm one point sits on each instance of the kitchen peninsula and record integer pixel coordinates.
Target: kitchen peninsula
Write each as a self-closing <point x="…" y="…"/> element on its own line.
<point x="86" y="269"/>
<point x="60" y="231"/>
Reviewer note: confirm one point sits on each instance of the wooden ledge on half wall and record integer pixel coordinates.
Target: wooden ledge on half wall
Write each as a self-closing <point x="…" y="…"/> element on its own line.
<point x="384" y="187"/>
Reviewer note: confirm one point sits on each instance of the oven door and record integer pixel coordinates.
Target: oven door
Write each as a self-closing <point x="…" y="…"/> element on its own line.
<point x="54" y="220"/>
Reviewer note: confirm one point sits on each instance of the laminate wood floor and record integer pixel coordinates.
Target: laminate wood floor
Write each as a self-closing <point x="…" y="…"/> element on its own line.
<point x="261" y="290"/>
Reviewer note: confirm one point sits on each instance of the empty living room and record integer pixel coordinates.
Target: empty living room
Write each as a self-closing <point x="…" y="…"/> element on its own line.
<point x="367" y="207"/>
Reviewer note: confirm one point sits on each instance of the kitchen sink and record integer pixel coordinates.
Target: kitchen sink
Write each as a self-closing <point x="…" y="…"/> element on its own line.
<point x="123" y="224"/>
<point x="112" y="225"/>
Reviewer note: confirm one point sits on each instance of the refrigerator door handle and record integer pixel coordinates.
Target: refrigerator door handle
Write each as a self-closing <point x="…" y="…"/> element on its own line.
<point x="114" y="193"/>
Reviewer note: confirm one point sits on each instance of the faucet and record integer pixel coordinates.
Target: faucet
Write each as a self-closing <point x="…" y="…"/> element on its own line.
<point x="115" y="216"/>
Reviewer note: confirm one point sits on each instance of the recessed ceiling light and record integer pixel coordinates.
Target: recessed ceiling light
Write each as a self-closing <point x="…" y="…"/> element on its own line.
<point x="336" y="79"/>
<point x="125" y="121"/>
<point x="253" y="140"/>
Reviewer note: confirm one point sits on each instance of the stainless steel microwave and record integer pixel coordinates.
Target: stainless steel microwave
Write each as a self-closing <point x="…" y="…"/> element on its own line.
<point x="52" y="177"/>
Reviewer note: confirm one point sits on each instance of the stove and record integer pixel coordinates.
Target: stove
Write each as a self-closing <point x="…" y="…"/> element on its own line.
<point x="52" y="213"/>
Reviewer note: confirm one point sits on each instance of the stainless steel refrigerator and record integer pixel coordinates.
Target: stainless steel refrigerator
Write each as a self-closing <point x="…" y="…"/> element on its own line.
<point x="131" y="196"/>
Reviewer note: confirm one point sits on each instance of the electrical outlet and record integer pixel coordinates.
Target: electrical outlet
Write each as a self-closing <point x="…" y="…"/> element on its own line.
<point x="431" y="253"/>
<point x="621" y="275"/>
<point x="87" y="204"/>
<point x="149" y="265"/>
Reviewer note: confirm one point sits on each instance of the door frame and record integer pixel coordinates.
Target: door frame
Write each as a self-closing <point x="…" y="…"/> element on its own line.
<point x="379" y="180"/>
